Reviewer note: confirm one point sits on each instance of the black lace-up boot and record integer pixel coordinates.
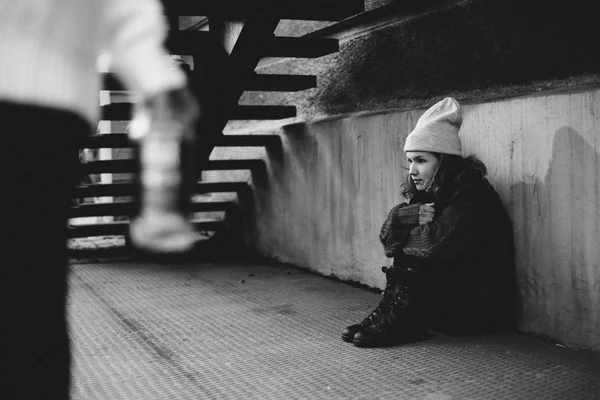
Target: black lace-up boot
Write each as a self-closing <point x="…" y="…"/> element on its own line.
<point x="390" y="292"/>
<point x="404" y="319"/>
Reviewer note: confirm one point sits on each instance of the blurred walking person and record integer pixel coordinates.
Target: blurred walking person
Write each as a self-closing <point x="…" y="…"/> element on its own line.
<point x="49" y="85"/>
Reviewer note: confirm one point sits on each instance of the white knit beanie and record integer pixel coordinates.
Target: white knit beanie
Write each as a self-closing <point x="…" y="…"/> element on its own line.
<point x="437" y="130"/>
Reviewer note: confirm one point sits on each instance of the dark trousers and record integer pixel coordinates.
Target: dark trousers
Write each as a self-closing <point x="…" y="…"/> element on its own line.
<point x="40" y="153"/>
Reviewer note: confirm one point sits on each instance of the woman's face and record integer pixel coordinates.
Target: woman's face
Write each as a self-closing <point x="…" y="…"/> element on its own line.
<point x="422" y="168"/>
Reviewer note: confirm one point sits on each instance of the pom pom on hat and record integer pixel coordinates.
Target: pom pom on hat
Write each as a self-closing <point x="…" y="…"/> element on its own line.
<point x="437" y="129"/>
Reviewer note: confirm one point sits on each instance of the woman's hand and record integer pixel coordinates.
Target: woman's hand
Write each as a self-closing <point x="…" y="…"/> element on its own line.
<point x="426" y="213"/>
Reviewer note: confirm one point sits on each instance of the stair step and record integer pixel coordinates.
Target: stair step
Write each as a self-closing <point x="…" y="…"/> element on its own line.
<point x="258" y="82"/>
<point x="128" y="189"/>
<point x="317" y="10"/>
<point x="280" y="83"/>
<point x="101" y="209"/>
<point x="122" y="112"/>
<point x="127" y="208"/>
<point x="214" y="165"/>
<point x="247" y="112"/>
<point x="109" y="166"/>
<point x="104" y="190"/>
<point x="120" y="228"/>
<point x="116" y="112"/>
<point x="222" y="187"/>
<point x="121" y="140"/>
<point x="248" y="141"/>
<point x="129" y="166"/>
<point x="110" y="81"/>
<point x="107" y="141"/>
<point x="301" y="47"/>
<point x="193" y="42"/>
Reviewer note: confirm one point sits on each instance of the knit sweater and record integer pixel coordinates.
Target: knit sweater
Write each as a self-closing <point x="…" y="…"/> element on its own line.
<point x="469" y="249"/>
<point x="49" y="51"/>
<point x="475" y="215"/>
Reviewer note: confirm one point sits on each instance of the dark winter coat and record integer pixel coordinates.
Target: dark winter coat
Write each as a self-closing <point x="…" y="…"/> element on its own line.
<point x="466" y="253"/>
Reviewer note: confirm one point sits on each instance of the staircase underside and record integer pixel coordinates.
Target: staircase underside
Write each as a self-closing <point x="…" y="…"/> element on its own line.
<point x="240" y="33"/>
<point x="320" y="10"/>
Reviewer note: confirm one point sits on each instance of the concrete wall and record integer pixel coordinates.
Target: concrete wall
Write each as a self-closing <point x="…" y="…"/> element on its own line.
<point x="329" y="188"/>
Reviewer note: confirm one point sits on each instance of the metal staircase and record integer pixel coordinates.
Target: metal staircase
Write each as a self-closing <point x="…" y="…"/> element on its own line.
<point x="240" y="34"/>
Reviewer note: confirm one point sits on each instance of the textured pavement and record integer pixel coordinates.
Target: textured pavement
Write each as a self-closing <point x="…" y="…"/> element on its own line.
<point x="230" y="330"/>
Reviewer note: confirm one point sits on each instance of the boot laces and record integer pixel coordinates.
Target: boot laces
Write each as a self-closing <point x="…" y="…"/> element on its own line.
<point x="388" y="298"/>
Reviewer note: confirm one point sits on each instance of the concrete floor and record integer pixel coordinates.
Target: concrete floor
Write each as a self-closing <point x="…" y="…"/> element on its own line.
<point x="230" y="330"/>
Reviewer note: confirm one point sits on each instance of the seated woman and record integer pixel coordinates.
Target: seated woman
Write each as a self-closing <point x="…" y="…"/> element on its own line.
<point x="452" y="244"/>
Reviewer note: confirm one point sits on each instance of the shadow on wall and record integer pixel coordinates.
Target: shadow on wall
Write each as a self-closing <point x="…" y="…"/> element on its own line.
<point x="557" y="227"/>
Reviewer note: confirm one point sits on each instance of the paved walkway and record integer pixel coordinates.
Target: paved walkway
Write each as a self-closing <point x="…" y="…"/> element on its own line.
<point x="223" y="330"/>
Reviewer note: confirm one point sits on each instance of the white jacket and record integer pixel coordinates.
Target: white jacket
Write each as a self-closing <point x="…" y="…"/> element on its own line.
<point x="49" y="51"/>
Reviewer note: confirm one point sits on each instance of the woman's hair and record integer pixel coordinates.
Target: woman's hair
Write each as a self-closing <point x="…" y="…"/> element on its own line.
<point x="454" y="174"/>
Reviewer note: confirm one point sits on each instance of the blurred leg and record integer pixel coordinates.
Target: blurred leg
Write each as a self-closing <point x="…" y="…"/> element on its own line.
<point x="41" y="152"/>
